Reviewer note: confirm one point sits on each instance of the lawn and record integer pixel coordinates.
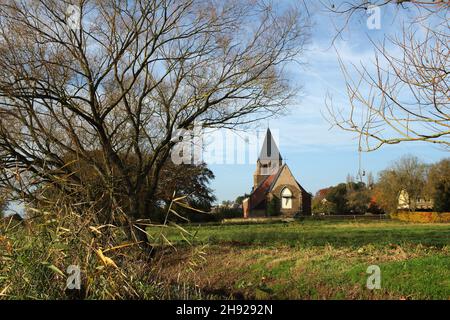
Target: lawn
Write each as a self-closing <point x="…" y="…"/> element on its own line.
<point x="310" y="259"/>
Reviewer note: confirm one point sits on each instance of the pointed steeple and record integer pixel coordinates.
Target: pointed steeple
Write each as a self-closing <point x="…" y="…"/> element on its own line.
<point x="269" y="161"/>
<point x="269" y="150"/>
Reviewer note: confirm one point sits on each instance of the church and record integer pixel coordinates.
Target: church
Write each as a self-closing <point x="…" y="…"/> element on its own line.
<point x="275" y="190"/>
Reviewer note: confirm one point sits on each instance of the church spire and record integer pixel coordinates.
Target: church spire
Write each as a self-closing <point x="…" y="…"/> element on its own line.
<point x="269" y="150"/>
<point x="269" y="160"/>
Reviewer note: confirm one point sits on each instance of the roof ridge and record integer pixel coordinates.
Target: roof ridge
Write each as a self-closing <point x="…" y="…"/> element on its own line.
<point x="278" y="175"/>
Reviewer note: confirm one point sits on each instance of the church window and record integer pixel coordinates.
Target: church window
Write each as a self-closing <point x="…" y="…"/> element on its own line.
<point x="286" y="199"/>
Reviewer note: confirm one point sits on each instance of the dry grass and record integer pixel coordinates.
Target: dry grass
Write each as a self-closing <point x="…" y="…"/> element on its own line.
<point x="287" y="273"/>
<point x="410" y="270"/>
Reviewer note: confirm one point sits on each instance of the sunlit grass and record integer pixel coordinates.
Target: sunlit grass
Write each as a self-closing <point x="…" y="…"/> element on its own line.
<point x="317" y="233"/>
<point x="319" y="260"/>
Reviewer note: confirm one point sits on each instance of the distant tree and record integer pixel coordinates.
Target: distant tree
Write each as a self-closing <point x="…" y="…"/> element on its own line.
<point x="191" y="181"/>
<point x="370" y="180"/>
<point x="337" y="196"/>
<point x="322" y="193"/>
<point x="438" y="185"/>
<point x="387" y="190"/>
<point x="344" y="198"/>
<point x="240" y="199"/>
<point x="408" y="174"/>
<point x="374" y="206"/>
<point x="227" y="203"/>
<point x="358" y="200"/>
<point x="441" y="198"/>
<point x="322" y="206"/>
<point x="411" y="174"/>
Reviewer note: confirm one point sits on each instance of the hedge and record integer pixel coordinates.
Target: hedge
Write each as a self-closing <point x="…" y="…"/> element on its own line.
<point x="422" y="217"/>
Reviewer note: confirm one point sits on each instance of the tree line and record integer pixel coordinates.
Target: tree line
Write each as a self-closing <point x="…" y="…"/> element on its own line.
<point x="408" y="176"/>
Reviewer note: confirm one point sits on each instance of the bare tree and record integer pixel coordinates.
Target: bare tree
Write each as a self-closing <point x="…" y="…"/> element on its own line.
<point x="109" y="82"/>
<point x="406" y="97"/>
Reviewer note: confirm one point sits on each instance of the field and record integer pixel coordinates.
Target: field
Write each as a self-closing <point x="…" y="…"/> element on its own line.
<point x="309" y="259"/>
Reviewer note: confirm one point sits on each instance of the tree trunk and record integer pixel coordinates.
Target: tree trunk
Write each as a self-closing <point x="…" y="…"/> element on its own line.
<point x="137" y="231"/>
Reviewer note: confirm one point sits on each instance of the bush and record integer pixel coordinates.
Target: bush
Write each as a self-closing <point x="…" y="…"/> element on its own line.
<point x="421" y="217"/>
<point x="35" y="255"/>
<point x="227" y="213"/>
<point x="322" y="207"/>
<point x="200" y="217"/>
<point x="273" y="209"/>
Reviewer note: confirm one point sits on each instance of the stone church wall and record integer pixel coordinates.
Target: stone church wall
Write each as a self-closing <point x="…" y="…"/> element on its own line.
<point x="296" y="199"/>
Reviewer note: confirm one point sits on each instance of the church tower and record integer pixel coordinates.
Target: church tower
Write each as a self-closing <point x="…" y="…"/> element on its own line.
<point x="269" y="160"/>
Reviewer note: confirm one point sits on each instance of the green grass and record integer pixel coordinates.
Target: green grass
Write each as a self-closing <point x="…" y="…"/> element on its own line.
<point x="315" y="233"/>
<point x="316" y="259"/>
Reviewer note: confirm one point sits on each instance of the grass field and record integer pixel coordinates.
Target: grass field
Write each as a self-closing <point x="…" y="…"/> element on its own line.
<point x="311" y="259"/>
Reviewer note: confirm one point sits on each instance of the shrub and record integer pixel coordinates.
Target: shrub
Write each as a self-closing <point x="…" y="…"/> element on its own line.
<point x="35" y="254"/>
<point x="200" y="217"/>
<point x="421" y="217"/>
<point x="273" y="208"/>
<point x="322" y="207"/>
<point x="227" y="213"/>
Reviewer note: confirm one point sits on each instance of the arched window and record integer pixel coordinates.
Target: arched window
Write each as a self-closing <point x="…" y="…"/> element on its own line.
<point x="286" y="199"/>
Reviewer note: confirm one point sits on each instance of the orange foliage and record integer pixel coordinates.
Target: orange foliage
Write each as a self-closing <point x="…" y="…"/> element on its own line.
<point x="422" y="217"/>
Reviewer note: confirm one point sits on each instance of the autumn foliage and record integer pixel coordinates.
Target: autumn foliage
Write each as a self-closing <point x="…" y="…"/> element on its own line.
<point x="422" y="217"/>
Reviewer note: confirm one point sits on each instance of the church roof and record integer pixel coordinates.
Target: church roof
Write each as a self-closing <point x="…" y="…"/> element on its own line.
<point x="269" y="150"/>
<point x="266" y="186"/>
<point x="259" y="194"/>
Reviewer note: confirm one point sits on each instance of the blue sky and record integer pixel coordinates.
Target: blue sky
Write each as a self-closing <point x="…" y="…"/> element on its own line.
<point x="320" y="156"/>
